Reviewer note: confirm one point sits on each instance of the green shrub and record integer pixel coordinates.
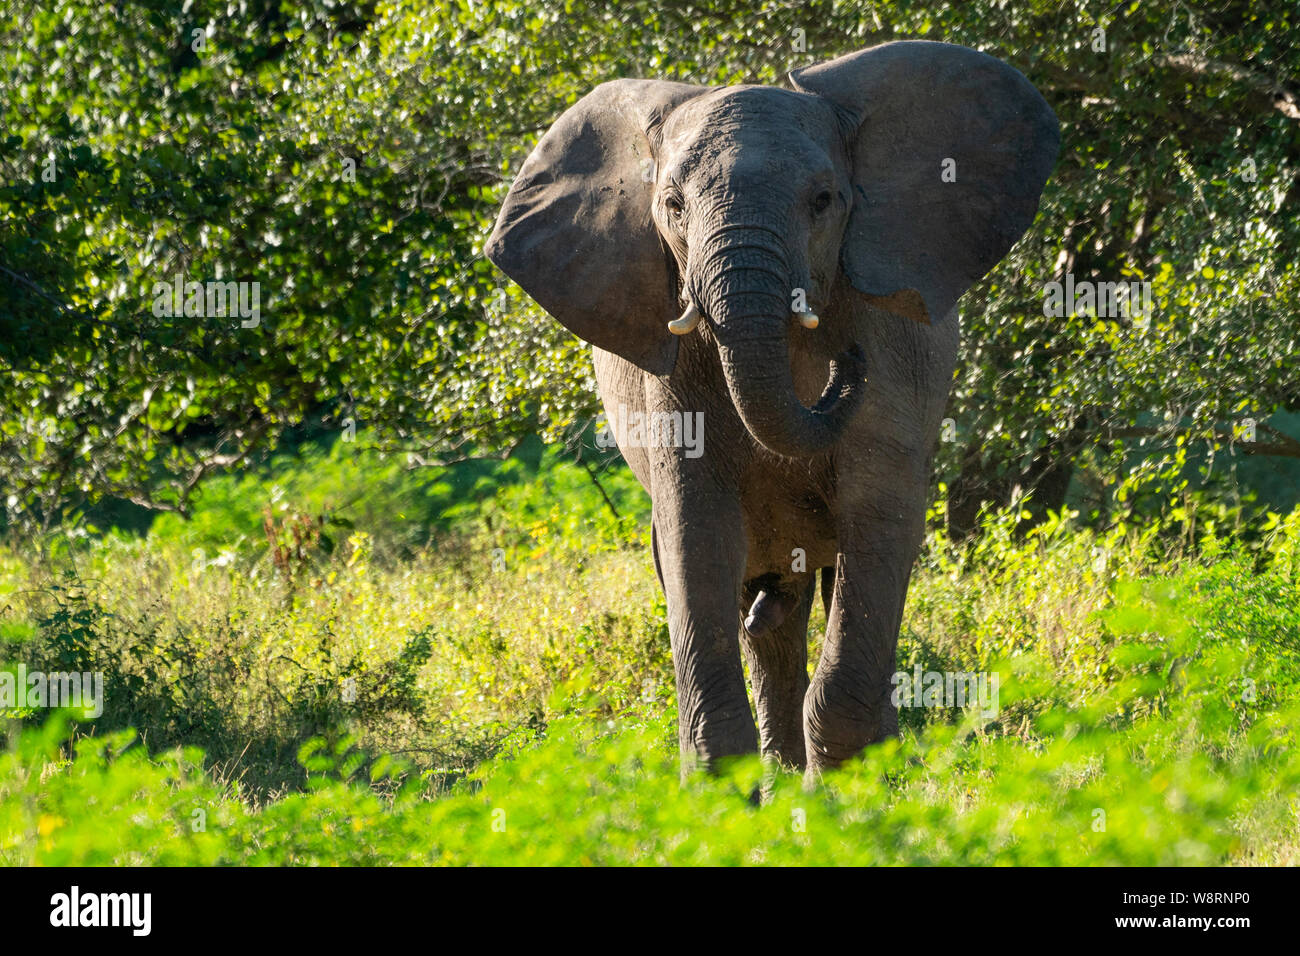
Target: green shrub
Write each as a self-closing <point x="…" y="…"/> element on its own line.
<point x="1147" y="717"/>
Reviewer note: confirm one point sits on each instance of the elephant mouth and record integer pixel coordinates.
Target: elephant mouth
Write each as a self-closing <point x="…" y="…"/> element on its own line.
<point x="848" y="374"/>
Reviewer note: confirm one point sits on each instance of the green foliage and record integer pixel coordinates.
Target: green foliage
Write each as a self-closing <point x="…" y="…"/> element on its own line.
<point x="1191" y="781"/>
<point x="148" y="815"/>
<point x="350" y="157"/>
<point x="467" y="663"/>
<point x="448" y="645"/>
<point x="446" y="709"/>
<point x="534" y="499"/>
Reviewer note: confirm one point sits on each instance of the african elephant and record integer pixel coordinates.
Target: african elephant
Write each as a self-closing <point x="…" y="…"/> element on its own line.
<point x="783" y="266"/>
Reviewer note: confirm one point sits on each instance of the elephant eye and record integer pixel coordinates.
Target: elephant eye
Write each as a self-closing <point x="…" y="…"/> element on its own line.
<point x="674" y="206"/>
<point x="822" y="202"/>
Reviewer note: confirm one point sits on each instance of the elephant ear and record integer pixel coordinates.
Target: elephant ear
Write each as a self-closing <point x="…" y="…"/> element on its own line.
<point x="915" y="242"/>
<point x="575" y="230"/>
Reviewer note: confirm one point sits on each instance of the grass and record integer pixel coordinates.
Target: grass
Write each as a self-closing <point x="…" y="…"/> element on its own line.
<point x="502" y="694"/>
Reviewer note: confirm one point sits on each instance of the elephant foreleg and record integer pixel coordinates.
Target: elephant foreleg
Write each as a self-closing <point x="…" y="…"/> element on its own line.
<point x="699" y="542"/>
<point x="848" y="704"/>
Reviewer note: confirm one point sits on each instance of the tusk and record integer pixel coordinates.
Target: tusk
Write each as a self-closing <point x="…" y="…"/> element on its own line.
<point x="687" y="323"/>
<point x="808" y="320"/>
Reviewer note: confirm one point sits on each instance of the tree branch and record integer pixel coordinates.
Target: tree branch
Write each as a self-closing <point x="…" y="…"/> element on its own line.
<point x="1270" y="91"/>
<point x="1284" y="447"/>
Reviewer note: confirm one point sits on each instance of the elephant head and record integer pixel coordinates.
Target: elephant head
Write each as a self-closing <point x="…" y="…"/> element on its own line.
<point x="649" y="207"/>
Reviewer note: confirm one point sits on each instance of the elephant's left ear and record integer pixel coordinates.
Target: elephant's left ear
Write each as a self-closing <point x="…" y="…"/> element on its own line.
<point x="951" y="152"/>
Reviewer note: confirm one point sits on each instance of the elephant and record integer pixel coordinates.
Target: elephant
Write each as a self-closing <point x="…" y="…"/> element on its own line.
<point x="782" y="265"/>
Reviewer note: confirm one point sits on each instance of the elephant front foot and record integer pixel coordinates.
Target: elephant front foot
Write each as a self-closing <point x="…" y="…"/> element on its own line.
<point x="839" y="725"/>
<point x="707" y="742"/>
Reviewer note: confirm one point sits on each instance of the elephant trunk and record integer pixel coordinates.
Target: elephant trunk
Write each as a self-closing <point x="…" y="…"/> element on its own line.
<point x="745" y="292"/>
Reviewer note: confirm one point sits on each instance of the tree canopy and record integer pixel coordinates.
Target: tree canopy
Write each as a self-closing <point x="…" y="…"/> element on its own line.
<point x="349" y="157"/>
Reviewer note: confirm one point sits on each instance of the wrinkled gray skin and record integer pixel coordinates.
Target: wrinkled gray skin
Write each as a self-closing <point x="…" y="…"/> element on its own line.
<point x="648" y="196"/>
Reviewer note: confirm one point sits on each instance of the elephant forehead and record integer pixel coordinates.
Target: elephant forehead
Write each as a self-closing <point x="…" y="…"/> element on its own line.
<point x="758" y="117"/>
